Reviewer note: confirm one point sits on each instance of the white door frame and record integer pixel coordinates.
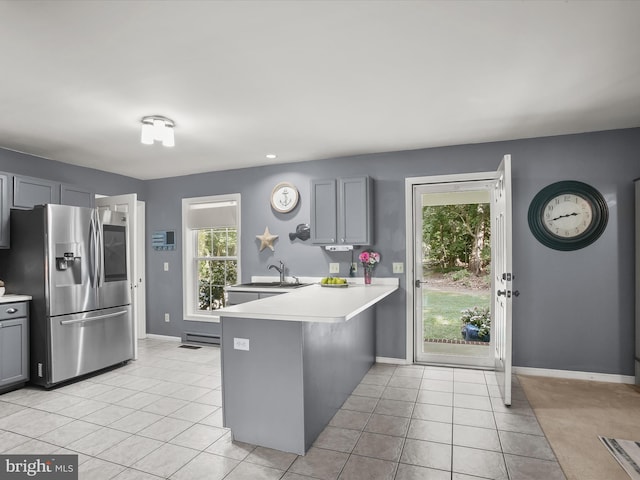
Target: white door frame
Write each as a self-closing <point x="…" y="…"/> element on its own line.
<point x="410" y="262"/>
<point x="139" y="283"/>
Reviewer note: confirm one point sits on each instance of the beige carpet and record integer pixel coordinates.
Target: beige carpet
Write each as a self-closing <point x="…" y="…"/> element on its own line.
<point x="573" y="413"/>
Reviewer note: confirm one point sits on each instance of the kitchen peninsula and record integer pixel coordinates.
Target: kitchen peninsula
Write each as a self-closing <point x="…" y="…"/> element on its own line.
<point x="290" y="361"/>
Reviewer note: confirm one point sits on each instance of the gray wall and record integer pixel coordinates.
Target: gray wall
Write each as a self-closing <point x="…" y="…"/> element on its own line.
<point x="575" y="310"/>
<point x="102" y="182"/>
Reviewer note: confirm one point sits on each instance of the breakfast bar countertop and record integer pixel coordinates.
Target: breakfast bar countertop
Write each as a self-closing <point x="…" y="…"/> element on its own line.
<point x="315" y="303"/>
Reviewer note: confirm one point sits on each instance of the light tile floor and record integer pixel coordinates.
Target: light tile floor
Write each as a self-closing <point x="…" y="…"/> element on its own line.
<point x="160" y="417"/>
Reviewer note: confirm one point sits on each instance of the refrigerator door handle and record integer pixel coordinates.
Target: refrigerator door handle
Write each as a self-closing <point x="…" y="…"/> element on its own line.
<point x="92" y="251"/>
<point x="100" y="250"/>
<point x="91" y="319"/>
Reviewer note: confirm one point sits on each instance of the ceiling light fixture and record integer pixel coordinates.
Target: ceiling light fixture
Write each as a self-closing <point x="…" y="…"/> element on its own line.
<point x="156" y="127"/>
<point x="271" y="155"/>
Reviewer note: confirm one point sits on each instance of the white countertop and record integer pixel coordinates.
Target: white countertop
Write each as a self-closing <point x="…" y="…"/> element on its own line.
<point x="315" y="303"/>
<point x="10" y="297"/>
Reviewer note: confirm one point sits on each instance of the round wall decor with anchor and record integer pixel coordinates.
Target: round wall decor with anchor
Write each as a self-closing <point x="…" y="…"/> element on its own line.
<point x="284" y="197"/>
<point x="568" y="215"/>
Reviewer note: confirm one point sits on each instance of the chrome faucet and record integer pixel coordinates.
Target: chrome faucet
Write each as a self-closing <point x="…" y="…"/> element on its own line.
<point x="280" y="270"/>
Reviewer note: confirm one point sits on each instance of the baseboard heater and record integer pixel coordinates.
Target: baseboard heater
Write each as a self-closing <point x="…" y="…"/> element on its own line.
<point x="203" y="338"/>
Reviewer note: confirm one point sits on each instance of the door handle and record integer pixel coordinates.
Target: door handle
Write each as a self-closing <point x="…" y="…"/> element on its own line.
<point x="418" y="283"/>
<point x="91" y="319"/>
<point x="508" y="293"/>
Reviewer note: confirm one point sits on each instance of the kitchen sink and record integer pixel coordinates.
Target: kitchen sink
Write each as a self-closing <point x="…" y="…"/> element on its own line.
<point x="271" y="285"/>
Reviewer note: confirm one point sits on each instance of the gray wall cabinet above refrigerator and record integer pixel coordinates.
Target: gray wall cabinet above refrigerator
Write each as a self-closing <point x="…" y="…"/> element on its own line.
<point x="22" y="192"/>
<point x="29" y="192"/>
<point x="341" y="211"/>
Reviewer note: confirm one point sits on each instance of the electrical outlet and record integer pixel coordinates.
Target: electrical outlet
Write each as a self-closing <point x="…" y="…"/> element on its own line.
<point x="398" y="267"/>
<point x="167" y="318"/>
<point x="334" y="268"/>
<point x="354" y="267"/>
<point x="241" y="344"/>
<point x="166" y="266"/>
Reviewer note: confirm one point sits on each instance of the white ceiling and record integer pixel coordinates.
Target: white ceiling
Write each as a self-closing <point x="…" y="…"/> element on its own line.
<point x="307" y="79"/>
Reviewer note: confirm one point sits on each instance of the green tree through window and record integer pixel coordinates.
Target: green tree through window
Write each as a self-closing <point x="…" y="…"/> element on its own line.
<point x="216" y="265"/>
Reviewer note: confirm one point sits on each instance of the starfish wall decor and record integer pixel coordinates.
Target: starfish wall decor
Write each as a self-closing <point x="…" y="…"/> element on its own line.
<point x="267" y="239"/>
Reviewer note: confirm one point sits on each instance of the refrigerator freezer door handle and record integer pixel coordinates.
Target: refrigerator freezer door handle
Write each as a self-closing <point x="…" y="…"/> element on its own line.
<point x="92" y="251"/>
<point x="91" y="319"/>
<point x="100" y="251"/>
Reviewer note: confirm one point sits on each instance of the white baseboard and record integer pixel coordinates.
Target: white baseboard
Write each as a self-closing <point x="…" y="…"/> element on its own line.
<point x="393" y="361"/>
<point x="574" y="375"/>
<point x="164" y="337"/>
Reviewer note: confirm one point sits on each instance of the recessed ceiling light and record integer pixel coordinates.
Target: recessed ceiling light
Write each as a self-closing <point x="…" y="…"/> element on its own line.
<point x="271" y="155"/>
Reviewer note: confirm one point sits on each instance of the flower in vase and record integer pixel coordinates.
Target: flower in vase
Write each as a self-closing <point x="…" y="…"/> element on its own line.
<point x="369" y="259"/>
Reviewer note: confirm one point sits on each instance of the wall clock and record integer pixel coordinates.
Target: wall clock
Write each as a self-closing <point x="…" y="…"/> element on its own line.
<point x="568" y="215"/>
<point x="284" y="197"/>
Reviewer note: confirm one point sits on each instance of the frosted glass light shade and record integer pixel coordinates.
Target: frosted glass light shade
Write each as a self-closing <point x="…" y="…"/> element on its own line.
<point x="147" y="134"/>
<point x="169" y="139"/>
<point x="158" y="129"/>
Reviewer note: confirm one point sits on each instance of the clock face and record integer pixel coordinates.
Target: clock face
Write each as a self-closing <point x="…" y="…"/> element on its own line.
<point x="284" y="197"/>
<point x="567" y="215"/>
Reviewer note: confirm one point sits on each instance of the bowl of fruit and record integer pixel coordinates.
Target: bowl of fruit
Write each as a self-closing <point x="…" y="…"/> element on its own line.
<point x="334" y="282"/>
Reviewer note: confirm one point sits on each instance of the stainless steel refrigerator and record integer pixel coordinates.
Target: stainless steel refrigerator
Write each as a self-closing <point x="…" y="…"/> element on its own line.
<point x="73" y="262"/>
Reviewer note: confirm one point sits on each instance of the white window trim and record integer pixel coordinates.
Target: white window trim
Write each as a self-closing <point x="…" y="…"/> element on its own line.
<point x="188" y="251"/>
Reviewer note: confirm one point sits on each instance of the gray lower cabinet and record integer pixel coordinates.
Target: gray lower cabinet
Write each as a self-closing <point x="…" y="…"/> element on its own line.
<point x="235" y="298"/>
<point x="341" y="211"/>
<point x="14" y="345"/>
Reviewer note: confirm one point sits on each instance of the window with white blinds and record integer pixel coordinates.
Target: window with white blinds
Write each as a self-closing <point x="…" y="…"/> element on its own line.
<point x="211" y="253"/>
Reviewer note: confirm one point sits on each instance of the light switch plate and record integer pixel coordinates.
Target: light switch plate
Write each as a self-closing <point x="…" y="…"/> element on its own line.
<point x="166" y="266"/>
<point x="241" y="344"/>
<point x="167" y="317"/>
<point x="398" y="267"/>
<point x="334" y="268"/>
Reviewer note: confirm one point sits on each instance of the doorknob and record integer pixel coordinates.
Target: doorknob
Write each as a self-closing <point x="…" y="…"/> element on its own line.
<point x="508" y="293"/>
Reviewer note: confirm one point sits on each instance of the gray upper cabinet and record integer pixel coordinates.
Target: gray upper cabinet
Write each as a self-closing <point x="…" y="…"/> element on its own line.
<point x="324" y="227"/>
<point x="341" y="211"/>
<point x="5" y="204"/>
<point x="29" y="191"/>
<point x="76" y="196"/>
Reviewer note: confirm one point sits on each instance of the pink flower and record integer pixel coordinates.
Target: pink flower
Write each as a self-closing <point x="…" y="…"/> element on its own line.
<point x="369" y="258"/>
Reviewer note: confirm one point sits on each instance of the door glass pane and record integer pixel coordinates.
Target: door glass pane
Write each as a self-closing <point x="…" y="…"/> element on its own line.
<point x="456" y="277"/>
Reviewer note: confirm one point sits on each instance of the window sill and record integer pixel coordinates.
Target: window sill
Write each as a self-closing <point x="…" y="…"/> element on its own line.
<point x="202" y="318"/>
